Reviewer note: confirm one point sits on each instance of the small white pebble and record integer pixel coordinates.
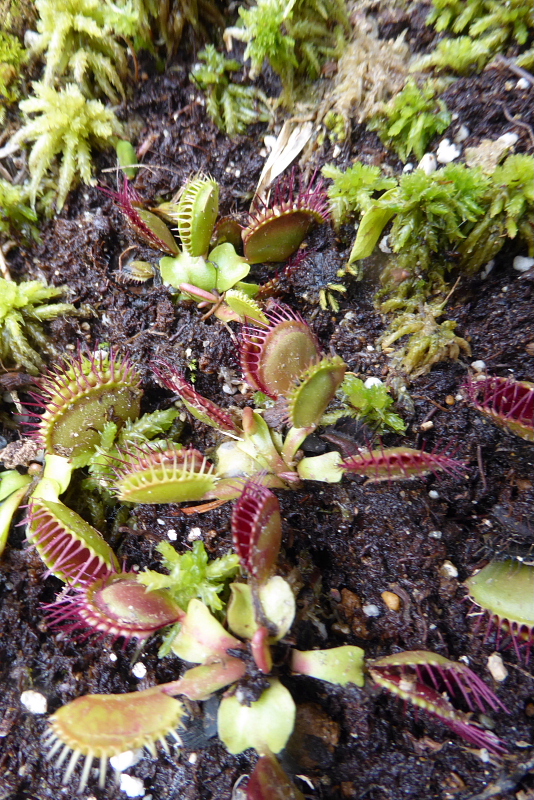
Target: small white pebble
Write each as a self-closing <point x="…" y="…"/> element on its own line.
<point x="336" y="151"/>
<point x="478" y="366"/>
<point x="461" y="134"/>
<point x="464" y="660"/>
<point x="384" y="246"/>
<point x="488" y="523"/>
<point x="522" y="83"/>
<point x="370" y="348"/>
<point x="504" y="289"/>
<point x="193" y="758"/>
<point x="372" y="382"/>
<point x="433" y="494"/>
<point x="407" y="168"/>
<point x="194" y="534"/>
<point x="270" y="142"/>
<point x="112" y="657"/>
<point x="523" y="263"/>
<point x="487" y="269"/>
<point x="448" y="570"/>
<point x="139" y="670"/>
<point x="371" y="610"/>
<point x="484" y="755"/>
<point x="447" y="151"/>
<point x="458" y="397"/>
<point x="497" y="668"/>
<point x="34" y="701"/>
<point x="508" y="139"/>
<point x="126" y="760"/>
<point x="160" y="521"/>
<point x="428" y="163"/>
<point x="435" y="534"/>
<point x="188" y="353"/>
<point x="237" y="173"/>
<point x="172" y="535"/>
<point x="134" y="787"/>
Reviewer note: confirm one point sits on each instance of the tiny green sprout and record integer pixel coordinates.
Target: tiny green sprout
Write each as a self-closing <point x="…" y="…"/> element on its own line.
<point x="353" y="191"/>
<point x="79" y="397"/>
<point x="163" y="474"/>
<point x="369" y="401"/>
<point x="127" y="158"/>
<point x="104" y="725"/>
<point x="231" y="106"/>
<point x="23" y="309"/>
<point x="503" y="593"/>
<point x="508" y="403"/>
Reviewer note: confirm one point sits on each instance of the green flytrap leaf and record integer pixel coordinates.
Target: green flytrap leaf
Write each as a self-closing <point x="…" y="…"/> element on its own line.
<point x="277" y="604"/>
<point x="316" y="388"/>
<point x="341" y="665"/>
<point x="265" y="725"/>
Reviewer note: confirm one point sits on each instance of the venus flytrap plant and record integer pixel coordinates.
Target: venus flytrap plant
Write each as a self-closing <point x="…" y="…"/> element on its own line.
<point x="506" y="402"/>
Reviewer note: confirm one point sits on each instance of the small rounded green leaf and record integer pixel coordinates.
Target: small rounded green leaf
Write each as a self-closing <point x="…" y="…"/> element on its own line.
<point x="231" y="268"/>
<point x="339" y="665"/>
<point x="188" y="269"/>
<point x="265" y="725"/>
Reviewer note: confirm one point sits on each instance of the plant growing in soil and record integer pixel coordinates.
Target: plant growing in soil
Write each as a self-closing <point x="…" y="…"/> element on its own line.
<point x="257" y="710"/>
<point x="15" y="213"/>
<point x="69" y="124"/>
<point x="411" y="119"/>
<point x="503" y="594"/>
<point x="24" y="307"/>
<point x="12" y="56"/>
<point x="508" y="403"/>
<point x="233" y="107"/>
<point x="295" y="38"/>
<point x="79" y="38"/>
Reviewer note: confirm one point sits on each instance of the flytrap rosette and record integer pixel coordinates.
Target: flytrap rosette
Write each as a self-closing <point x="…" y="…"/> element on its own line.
<point x="275" y="230"/>
<point x="80" y="397"/>
<point x="432" y="682"/>
<point x="503" y="594"/>
<point x="200" y="407"/>
<point x="400" y="463"/>
<point x="71" y="549"/>
<point x="116" y="605"/>
<point x="162" y="474"/>
<point x="508" y="403"/>
<point x="104" y="725"/>
<point x="145" y="224"/>
<point x="257" y="530"/>
<point x="274" y="356"/>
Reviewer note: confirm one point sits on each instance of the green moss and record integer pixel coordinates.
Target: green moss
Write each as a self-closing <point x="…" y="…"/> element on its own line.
<point x="370" y="403"/>
<point x="23" y="309"/>
<point x="489" y="27"/>
<point x="231" y="106"/>
<point x="412" y="119"/>
<point x="15" y="214"/>
<point x="66" y="124"/>
<point x="79" y="39"/>
<point x="353" y="191"/>
<point x="12" y="56"/>
<point x="296" y="38"/>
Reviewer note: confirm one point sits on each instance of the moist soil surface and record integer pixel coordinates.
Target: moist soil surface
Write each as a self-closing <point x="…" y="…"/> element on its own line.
<point x="343" y="545"/>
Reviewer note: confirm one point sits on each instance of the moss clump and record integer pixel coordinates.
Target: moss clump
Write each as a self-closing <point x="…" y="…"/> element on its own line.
<point x="230" y="105"/>
<point x="15" y="214"/>
<point x="489" y="27"/>
<point x="412" y="119"/>
<point x="67" y="124"/>
<point x="79" y="39"/>
<point x="23" y="309"/>
<point x="296" y="38"/>
<point x="353" y="191"/>
<point x="369" y="401"/>
<point x="12" y="55"/>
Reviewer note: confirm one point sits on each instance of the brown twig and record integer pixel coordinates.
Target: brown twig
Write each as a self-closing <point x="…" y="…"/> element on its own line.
<point x="481" y="468"/>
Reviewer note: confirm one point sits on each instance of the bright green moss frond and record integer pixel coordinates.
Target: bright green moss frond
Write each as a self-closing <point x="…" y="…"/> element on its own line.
<point x="231" y="106"/>
<point x="296" y="37"/>
<point x="22" y="309"/>
<point x="12" y="55"/>
<point x="513" y="18"/>
<point x="369" y="401"/>
<point x="15" y="214"/>
<point x="412" y="119"/>
<point x="462" y="55"/>
<point x="79" y="38"/>
<point x="514" y="184"/>
<point x="67" y="124"/>
<point x="353" y="191"/>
